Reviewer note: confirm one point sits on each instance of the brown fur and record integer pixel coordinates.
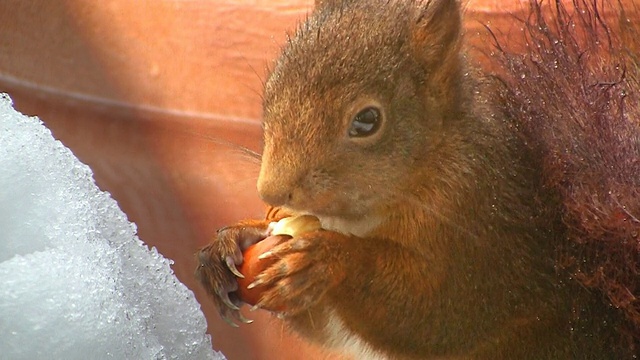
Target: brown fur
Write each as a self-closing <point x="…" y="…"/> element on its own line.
<point x="440" y="239"/>
<point x="576" y="97"/>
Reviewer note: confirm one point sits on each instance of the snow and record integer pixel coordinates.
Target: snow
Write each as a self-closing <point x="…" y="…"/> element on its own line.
<point x="75" y="280"/>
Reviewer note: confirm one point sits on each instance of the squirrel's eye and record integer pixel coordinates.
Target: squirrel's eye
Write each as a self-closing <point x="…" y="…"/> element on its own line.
<point x="365" y="123"/>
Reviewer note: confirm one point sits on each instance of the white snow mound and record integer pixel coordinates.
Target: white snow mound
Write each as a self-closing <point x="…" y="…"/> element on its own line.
<point x="75" y="280"/>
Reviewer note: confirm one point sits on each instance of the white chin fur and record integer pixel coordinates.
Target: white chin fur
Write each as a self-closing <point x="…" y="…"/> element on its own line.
<point x="348" y="342"/>
<point x="360" y="228"/>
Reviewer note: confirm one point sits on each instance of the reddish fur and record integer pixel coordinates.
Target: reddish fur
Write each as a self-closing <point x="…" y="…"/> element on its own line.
<point x="576" y="97"/>
<point x="458" y="258"/>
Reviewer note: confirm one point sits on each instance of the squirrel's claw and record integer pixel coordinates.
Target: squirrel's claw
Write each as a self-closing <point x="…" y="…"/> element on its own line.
<point x="244" y="319"/>
<point x="229" y="321"/>
<point x="265" y="255"/>
<point x="217" y="267"/>
<point x="224" y="297"/>
<point x="257" y="282"/>
<point x="230" y="317"/>
<point x="231" y="313"/>
<point x="231" y="264"/>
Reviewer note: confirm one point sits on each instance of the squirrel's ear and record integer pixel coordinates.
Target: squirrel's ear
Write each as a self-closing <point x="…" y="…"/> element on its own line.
<point x="436" y="31"/>
<point x="435" y="42"/>
<point x="327" y="3"/>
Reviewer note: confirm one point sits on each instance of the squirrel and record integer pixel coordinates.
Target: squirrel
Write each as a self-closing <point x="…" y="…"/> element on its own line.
<point x="446" y="207"/>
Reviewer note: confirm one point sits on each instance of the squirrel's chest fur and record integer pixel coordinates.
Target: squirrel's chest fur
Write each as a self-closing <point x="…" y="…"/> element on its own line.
<point x="358" y="227"/>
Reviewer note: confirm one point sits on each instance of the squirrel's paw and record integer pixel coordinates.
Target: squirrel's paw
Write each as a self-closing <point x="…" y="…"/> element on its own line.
<point x="307" y="267"/>
<point x="217" y="264"/>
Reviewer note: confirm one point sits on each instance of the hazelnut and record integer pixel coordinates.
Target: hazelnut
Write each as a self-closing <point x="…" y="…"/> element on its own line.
<point x="252" y="266"/>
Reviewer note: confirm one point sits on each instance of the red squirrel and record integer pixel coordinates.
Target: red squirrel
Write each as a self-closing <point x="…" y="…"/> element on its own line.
<point x="442" y="236"/>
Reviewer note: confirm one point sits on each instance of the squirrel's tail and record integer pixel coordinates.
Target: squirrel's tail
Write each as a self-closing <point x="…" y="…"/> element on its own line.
<point x="573" y="89"/>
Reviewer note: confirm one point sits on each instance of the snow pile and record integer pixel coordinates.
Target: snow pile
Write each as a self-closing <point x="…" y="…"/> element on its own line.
<point x="75" y="281"/>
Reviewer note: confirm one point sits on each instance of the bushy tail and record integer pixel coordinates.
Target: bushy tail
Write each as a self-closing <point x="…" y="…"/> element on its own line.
<point x="573" y="88"/>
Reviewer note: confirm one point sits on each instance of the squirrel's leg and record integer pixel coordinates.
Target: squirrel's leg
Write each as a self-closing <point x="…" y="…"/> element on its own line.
<point x="320" y="276"/>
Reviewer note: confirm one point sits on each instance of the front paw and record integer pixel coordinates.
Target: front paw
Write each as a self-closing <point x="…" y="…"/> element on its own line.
<point x="306" y="267"/>
<point x="217" y="266"/>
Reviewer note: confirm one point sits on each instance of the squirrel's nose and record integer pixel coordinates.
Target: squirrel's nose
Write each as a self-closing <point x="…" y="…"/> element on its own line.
<point x="273" y="194"/>
<point x="273" y="187"/>
<point x="275" y="183"/>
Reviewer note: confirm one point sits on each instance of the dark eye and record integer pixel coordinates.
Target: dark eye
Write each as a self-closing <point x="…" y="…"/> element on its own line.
<point x="365" y="123"/>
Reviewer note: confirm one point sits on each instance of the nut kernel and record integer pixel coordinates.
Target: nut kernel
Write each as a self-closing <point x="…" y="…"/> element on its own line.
<point x="296" y="225"/>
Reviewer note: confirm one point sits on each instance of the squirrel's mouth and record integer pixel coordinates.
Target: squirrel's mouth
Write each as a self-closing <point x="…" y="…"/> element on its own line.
<point x="360" y="225"/>
<point x="345" y="209"/>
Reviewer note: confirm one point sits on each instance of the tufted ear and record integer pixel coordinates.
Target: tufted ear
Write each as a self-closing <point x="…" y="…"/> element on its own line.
<point x="436" y="31"/>
<point x="436" y="37"/>
<point x="330" y="3"/>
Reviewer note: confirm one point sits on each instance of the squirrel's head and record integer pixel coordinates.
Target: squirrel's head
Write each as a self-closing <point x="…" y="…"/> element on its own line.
<point x="355" y="101"/>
